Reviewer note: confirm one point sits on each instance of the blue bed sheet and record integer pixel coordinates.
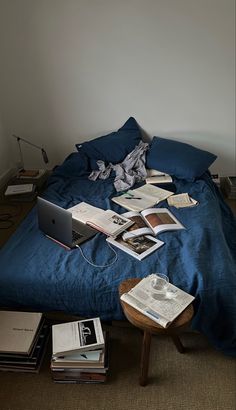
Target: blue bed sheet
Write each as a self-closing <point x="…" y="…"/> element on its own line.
<point x="36" y="273"/>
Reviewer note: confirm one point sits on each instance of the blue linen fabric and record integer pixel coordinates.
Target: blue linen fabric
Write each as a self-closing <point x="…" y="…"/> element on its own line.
<point x="37" y="273"/>
<point x="178" y="158"/>
<point x="112" y="147"/>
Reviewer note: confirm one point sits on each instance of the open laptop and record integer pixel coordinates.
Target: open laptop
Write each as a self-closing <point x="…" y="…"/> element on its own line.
<point x="57" y="223"/>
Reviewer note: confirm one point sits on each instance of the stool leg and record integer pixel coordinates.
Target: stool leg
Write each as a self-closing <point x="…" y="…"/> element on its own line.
<point x="178" y="344"/>
<point x="147" y="336"/>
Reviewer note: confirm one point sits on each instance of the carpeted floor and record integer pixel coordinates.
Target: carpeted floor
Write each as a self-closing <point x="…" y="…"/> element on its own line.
<point x="202" y="378"/>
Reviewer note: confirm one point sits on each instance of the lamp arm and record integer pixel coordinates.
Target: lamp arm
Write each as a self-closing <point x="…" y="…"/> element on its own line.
<point x="27" y="142"/>
<point x="44" y="154"/>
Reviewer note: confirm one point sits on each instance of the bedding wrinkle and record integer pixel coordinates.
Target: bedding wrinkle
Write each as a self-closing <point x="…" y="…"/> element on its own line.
<point x="41" y="275"/>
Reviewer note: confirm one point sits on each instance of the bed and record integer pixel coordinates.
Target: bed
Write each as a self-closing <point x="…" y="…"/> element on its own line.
<point x="37" y="273"/>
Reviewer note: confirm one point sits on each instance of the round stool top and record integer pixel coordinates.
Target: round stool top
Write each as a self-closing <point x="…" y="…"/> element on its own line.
<point x="143" y="322"/>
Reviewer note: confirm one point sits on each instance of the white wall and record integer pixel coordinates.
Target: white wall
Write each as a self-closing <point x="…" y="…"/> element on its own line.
<point x="5" y="161"/>
<point x="74" y="69"/>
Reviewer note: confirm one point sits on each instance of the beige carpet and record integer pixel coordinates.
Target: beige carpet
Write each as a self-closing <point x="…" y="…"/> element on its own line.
<point x="202" y="378"/>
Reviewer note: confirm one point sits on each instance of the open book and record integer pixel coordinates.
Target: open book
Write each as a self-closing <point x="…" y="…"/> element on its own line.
<point x="78" y="336"/>
<point x="139" y="247"/>
<point x="151" y="222"/>
<point x="141" y="198"/>
<point x="108" y="222"/>
<point x="162" y="309"/>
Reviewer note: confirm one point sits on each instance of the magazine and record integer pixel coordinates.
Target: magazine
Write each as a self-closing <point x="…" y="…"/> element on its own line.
<point x="162" y="309"/>
<point x="79" y="336"/>
<point x="139" y="247"/>
<point x="141" y="198"/>
<point x="108" y="222"/>
<point x="151" y="221"/>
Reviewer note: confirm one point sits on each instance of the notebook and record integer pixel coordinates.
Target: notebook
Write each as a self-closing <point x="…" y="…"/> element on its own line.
<point x="57" y="224"/>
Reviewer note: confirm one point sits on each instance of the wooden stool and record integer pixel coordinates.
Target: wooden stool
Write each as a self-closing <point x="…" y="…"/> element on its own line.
<point x="150" y="327"/>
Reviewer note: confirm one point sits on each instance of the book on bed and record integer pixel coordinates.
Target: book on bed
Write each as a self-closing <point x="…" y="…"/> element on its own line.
<point x="151" y="221"/>
<point x="157" y="177"/>
<point x="139" y="246"/>
<point x="106" y="221"/>
<point x="141" y="198"/>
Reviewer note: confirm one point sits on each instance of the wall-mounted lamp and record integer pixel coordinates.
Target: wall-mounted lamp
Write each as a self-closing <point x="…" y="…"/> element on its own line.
<point x="44" y="154"/>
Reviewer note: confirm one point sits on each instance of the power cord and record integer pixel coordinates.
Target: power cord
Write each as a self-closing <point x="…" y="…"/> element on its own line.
<point x="99" y="266"/>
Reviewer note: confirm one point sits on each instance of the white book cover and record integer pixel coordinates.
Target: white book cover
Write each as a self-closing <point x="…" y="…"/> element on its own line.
<point x="81" y="336"/>
<point x="17" y="331"/>
<point x="19" y="189"/>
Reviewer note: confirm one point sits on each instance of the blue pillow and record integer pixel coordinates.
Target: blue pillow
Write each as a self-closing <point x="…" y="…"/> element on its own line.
<point x="178" y="158"/>
<point x="112" y="147"/>
<point x="76" y="164"/>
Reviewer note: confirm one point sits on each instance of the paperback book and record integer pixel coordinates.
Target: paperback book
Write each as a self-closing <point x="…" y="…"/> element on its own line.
<point x="141" y="198"/>
<point x="151" y="222"/>
<point x="157" y="177"/>
<point x="78" y="336"/>
<point x="137" y="246"/>
<point x="106" y="221"/>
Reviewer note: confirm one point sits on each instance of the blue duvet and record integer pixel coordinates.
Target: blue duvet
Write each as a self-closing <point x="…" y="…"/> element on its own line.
<point x="38" y="274"/>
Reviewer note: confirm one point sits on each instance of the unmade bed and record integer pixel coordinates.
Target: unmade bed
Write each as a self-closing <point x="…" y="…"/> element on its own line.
<point x="39" y="274"/>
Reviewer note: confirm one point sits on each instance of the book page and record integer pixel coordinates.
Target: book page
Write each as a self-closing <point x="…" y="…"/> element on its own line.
<point x="84" y="212"/>
<point x="181" y="201"/>
<point x="138" y="228"/>
<point x="153" y="193"/>
<point x="160" y="220"/>
<point x="139" y="247"/>
<point x="134" y="202"/>
<point x="110" y="222"/>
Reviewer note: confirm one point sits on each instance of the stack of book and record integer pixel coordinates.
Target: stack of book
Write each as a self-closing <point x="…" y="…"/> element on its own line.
<point x="229" y="186"/>
<point x="23" y="340"/>
<point x="80" y="352"/>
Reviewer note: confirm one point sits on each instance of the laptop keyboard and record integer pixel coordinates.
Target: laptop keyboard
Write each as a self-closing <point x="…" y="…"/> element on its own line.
<point x="76" y="236"/>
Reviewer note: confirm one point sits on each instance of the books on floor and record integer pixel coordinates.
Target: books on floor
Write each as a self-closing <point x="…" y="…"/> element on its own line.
<point x="106" y="221"/>
<point x="89" y="365"/>
<point x="141" y="198"/>
<point x="23" y="340"/>
<point x="162" y="308"/>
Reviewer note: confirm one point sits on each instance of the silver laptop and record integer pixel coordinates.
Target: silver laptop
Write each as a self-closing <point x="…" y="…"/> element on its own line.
<point x="57" y="223"/>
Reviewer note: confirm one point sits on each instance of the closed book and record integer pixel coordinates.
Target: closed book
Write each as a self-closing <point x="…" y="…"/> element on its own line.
<point x="78" y="336"/>
<point x="18" y="331"/>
